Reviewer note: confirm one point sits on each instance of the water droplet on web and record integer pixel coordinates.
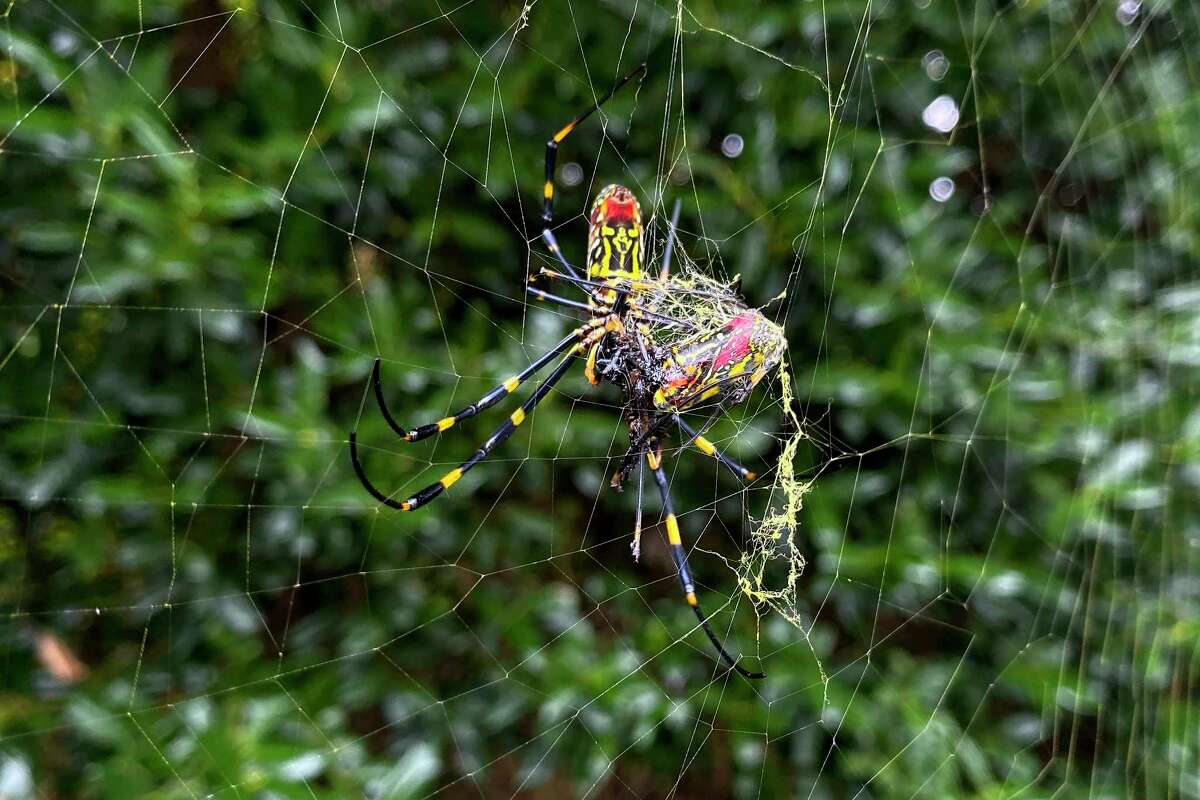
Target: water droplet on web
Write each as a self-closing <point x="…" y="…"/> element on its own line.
<point x="732" y="145"/>
<point x="63" y="42"/>
<point x="936" y="64"/>
<point x="1127" y="11"/>
<point x="941" y="189"/>
<point x="571" y="174"/>
<point x="941" y="114"/>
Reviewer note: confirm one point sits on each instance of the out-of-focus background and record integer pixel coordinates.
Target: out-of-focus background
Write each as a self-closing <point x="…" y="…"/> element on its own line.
<point x="213" y="218"/>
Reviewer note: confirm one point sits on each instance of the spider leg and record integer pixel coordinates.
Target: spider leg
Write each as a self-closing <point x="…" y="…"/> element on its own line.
<point x="632" y="286"/>
<point x="586" y="283"/>
<point x="601" y="288"/>
<point x="636" y="448"/>
<point x="487" y="401"/>
<point x="671" y="235"/>
<point x="691" y="402"/>
<point x="552" y="155"/>
<point x="654" y="459"/>
<point x="709" y="449"/>
<point x="553" y="298"/>
<point x="498" y="436"/>
<point x="552" y="245"/>
<point x="636" y="545"/>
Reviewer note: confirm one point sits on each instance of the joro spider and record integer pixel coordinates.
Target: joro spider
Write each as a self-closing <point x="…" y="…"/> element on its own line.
<point x="672" y="344"/>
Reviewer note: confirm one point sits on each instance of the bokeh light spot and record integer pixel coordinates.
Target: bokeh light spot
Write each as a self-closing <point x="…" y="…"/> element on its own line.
<point x="941" y="189"/>
<point x="941" y="114"/>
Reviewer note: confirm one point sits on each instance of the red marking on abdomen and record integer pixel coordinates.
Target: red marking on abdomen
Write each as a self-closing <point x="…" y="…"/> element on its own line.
<point x="737" y="346"/>
<point x="621" y="212"/>
<point x="612" y="211"/>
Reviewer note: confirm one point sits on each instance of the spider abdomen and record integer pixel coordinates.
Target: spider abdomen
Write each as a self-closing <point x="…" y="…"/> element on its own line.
<point x="725" y="364"/>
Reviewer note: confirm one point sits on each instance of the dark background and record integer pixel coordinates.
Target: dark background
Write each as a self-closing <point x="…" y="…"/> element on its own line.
<point x="213" y="220"/>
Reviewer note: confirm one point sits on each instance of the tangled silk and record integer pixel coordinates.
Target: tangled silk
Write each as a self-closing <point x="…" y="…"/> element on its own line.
<point x="770" y="567"/>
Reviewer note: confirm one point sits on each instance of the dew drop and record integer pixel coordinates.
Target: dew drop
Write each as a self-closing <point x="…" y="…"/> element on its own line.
<point x="941" y="189"/>
<point x="1127" y="11"/>
<point x="936" y="65"/>
<point x="571" y="174"/>
<point x="941" y="114"/>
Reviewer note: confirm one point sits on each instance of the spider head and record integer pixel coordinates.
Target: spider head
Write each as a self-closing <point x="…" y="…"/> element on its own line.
<point x="615" y="235"/>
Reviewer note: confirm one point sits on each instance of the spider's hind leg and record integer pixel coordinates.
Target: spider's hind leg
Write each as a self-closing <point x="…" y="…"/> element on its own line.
<point x="675" y="541"/>
<point x="710" y="449"/>
<point x="484" y="450"/>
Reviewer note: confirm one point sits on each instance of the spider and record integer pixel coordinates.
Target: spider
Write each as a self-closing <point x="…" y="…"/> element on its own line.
<point x="671" y="343"/>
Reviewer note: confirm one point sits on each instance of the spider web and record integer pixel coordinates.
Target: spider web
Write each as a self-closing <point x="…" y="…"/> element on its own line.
<point x="968" y="568"/>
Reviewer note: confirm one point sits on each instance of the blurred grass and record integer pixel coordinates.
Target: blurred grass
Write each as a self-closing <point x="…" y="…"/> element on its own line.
<point x="1001" y="390"/>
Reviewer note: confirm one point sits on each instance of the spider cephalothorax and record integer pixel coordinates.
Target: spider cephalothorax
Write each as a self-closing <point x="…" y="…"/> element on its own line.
<point x="671" y="343"/>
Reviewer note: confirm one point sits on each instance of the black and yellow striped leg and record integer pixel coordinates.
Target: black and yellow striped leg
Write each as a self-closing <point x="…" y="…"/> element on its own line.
<point x="364" y="480"/>
<point x="584" y="282"/>
<point x="502" y="433"/>
<point x="654" y="459"/>
<point x="552" y="150"/>
<point x="553" y="298"/>
<point x="709" y="449"/>
<point x="600" y="290"/>
<point x="633" y="287"/>
<point x="487" y="401"/>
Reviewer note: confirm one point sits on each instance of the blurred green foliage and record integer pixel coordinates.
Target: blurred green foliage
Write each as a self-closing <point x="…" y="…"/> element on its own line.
<point x="213" y="218"/>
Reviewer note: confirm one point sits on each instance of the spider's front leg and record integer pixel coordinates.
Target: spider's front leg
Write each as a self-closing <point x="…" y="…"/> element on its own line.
<point x="551" y="159"/>
<point x="488" y="400"/>
<point x="484" y="450"/>
<point x="577" y="343"/>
